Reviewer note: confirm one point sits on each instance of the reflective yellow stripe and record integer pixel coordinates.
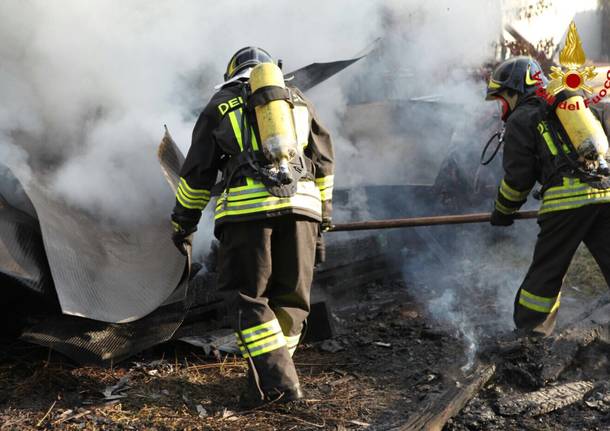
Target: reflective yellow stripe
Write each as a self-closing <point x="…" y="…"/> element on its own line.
<point x="325" y="184"/>
<point x="544" y="131"/>
<point x="246" y="187"/>
<point x="176" y="226"/>
<point x="187" y="204"/>
<point x="255" y="198"/>
<point x="512" y="194"/>
<point x="254" y="140"/>
<point x="190" y="197"/>
<point x="236" y="129"/>
<point x="539" y="303"/>
<point x="327" y="181"/>
<point x="263" y="346"/>
<point x="326" y="194"/>
<point x="241" y="192"/>
<point x="192" y="191"/>
<point x="262" y="201"/>
<point x="249" y="191"/>
<point x="190" y="200"/>
<point x="292" y="341"/>
<point x="571" y="195"/>
<point x="576" y="202"/>
<point x="504" y="209"/>
<point x="260" y="331"/>
<point x="244" y="196"/>
<point x="269" y="324"/>
<point x="271" y="204"/>
<point x="236" y="117"/>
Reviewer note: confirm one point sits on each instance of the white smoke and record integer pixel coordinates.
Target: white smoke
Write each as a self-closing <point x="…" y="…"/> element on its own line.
<point x="86" y="87"/>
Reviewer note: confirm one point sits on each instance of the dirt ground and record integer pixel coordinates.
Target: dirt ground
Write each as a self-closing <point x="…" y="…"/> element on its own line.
<point x="385" y="361"/>
<point x="382" y="348"/>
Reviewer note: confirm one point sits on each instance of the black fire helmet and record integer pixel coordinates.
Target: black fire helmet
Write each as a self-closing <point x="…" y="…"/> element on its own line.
<point x="520" y="74"/>
<point x="246" y="57"/>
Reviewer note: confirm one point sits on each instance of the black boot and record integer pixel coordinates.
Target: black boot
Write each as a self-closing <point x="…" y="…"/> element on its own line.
<point x="252" y="397"/>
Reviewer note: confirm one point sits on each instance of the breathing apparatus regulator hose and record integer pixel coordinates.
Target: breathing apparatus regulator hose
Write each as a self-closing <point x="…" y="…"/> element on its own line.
<point x="500" y="135"/>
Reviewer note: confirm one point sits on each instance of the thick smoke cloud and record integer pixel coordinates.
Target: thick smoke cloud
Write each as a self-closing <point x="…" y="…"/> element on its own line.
<point x="87" y="86"/>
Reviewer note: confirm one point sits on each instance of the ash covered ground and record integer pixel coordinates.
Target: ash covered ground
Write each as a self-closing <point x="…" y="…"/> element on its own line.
<point x="389" y="356"/>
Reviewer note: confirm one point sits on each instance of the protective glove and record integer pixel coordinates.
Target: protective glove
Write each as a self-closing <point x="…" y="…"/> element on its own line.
<point x="182" y="235"/>
<point x="320" y="249"/>
<point x="327" y="215"/>
<point x="499" y="219"/>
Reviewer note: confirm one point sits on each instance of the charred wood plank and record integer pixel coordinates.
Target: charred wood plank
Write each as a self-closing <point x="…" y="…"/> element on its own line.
<point x="545" y="400"/>
<point x="434" y="413"/>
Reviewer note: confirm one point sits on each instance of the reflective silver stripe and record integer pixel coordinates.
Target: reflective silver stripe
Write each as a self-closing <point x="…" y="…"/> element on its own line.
<point x="256" y="335"/>
<point x="246" y="191"/>
<point x="541" y="304"/>
<point x="504" y="209"/>
<point x="253" y="350"/>
<point x="190" y="199"/>
<point x="278" y="201"/>
<point x="274" y="343"/>
<point x="259" y="189"/>
<point x="192" y="192"/>
<point x="552" y="191"/>
<point x="255" y="341"/>
<point x="292" y="340"/>
<point x="512" y="194"/>
<point x="252" y="343"/>
<point x="274" y="327"/>
<point x="574" y="204"/>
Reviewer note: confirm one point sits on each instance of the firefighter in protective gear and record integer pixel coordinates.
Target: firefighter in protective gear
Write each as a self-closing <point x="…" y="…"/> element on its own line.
<point x="267" y="229"/>
<point x="575" y="204"/>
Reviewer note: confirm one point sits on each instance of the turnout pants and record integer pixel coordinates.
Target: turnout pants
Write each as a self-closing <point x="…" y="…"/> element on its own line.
<point x="538" y="298"/>
<point x="269" y="264"/>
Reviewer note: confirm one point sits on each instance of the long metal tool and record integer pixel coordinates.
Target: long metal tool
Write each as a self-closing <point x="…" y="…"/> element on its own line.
<point x="424" y="221"/>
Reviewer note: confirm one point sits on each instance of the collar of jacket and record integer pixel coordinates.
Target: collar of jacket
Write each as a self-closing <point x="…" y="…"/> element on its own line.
<point x="527" y="99"/>
<point x="244" y="75"/>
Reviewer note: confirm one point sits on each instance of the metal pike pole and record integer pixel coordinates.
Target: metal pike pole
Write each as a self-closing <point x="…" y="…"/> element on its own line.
<point x="425" y="221"/>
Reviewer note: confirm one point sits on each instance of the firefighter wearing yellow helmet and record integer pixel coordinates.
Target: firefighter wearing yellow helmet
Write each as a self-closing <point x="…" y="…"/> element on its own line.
<point x="274" y="198"/>
<point x="565" y="152"/>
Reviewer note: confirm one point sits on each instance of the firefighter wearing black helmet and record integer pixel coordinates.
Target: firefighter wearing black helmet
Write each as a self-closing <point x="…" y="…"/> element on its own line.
<point x="537" y="149"/>
<point x="267" y="224"/>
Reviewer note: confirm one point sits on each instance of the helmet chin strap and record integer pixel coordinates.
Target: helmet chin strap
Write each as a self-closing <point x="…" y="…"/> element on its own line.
<point x="505" y="105"/>
<point x="508" y="103"/>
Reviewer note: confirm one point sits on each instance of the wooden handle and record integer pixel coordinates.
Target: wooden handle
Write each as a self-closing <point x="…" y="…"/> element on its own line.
<point x="424" y="221"/>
